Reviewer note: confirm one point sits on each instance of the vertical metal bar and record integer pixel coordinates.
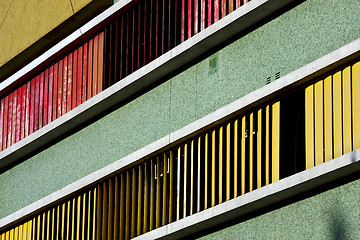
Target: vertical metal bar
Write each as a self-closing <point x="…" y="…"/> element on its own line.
<point x="133" y="41"/>
<point x="57" y="223"/>
<point x="223" y="8"/>
<point x="139" y="37"/>
<point x="14" y="115"/>
<point x="16" y="233"/>
<point x="29" y="230"/>
<point x="152" y="195"/>
<point x="41" y="100"/>
<point x="309" y="126"/>
<point x="319" y="128"/>
<point x="20" y="234"/>
<point x="242" y="166"/>
<point x="116" y="208"/>
<point x="178" y="192"/>
<point x="157" y="25"/>
<point x="199" y="186"/>
<point x="140" y="201"/>
<point x="213" y="162"/>
<point x="206" y="172"/>
<point x="63" y="215"/>
<point x="100" y="71"/>
<point x="210" y="12"/>
<point x="236" y="155"/>
<point x="23" y="114"/>
<point x="95" y="66"/>
<point x="185" y="180"/>
<point x="151" y="30"/>
<point x="37" y="103"/>
<point x="192" y="177"/>
<point x="165" y="206"/>
<point x="228" y="161"/>
<point x="127" y="45"/>
<point x="46" y="97"/>
<point x="275" y="173"/>
<point x="121" y="46"/>
<point x="59" y="88"/>
<point x="169" y="29"/>
<point x="196" y="16"/>
<point x="6" y="112"/>
<point x="50" y="94"/>
<point x="346" y="100"/>
<point x="128" y="206"/>
<point x="183" y="20"/>
<point x="231" y="6"/>
<point x="221" y="153"/>
<point x="69" y="83"/>
<point x="85" y="71"/>
<point x="95" y="206"/>
<point x="216" y="10"/>
<point x="74" y="79"/>
<point x="328" y="124"/>
<point x="171" y="196"/>
<point x="55" y="97"/>
<point x="258" y="148"/>
<point x="337" y="99"/>
<point x="79" y="77"/>
<point x="68" y="219"/>
<point x="202" y="15"/>
<point x="110" y="210"/>
<point x="163" y="28"/>
<point x="90" y="69"/>
<point x="64" y="90"/>
<point x="356" y="105"/>
<point x="145" y="30"/>
<point x="146" y="198"/>
<point x="53" y="229"/>
<point x="133" y="204"/>
<point x="9" y="119"/>
<point x="251" y="152"/>
<point x="99" y="214"/>
<point x="158" y="193"/>
<point x="122" y="206"/>
<point x="189" y="20"/>
<point x="83" y="219"/>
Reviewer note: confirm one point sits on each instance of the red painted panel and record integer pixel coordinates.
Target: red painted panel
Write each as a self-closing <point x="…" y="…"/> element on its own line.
<point x="51" y="94"/>
<point x="41" y="99"/>
<point x="2" y="108"/>
<point x="10" y="114"/>
<point x="95" y="65"/>
<point x="46" y="97"/>
<point x="74" y="80"/>
<point x="84" y="73"/>
<point x="163" y="27"/>
<point x="151" y="30"/>
<point x="133" y="41"/>
<point x="238" y="3"/>
<point x="69" y="82"/>
<point x="55" y="91"/>
<point x="90" y="69"/>
<point x="116" y="32"/>
<point x="145" y="21"/>
<point x="100" y="83"/>
<point x="6" y="113"/>
<point x="37" y="103"/>
<point x="18" y="114"/>
<point x="189" y="21"/>
<point x="79" y="77"/>
<point x="183" y="20"/>
<point x="32" y="106"/>
<point x="23" y="112"/>
<point x="216" y="10"/>
<point x="65" y="84"/>
<point x="60" y="88"/>
<point x="210" y="12"/>
<point x="202" y="21"/>
<point x="231" y="6"/>
<point x="223" y="8"/>
<point x="138" y="38"/>
<point x="169" y="26"/>
<point x="13" y="122"/>
<point x="127" y="45"/>
<point x="196" y="16"/>
<point x="27" y="111"/>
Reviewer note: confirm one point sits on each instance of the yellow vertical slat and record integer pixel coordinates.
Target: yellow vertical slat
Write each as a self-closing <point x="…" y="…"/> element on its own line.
<point x="72" y="236"/>
<point x="78" y="217"/>
<point x="146" y="200"/>
<point x="16" y="234"/>
<point x="275" y="173"/>
<point x="83" y="220"/>
<point x="178" y="184"/>
<point x="165" y="192"/>
<point x="221" y="152"/>
<point x="251" y="152"/>
<point x="116" y="208"/>
<point x="356" y="105"/>
<point x="228" y="174"/>
<point x="128" y="206"/>
<point x="104" y="206"/>
<point x="171" y="196"/>
<point x="185" y="180"/>
<point x="38" y="228"/>
<point x="319" y="128"/>
<point x="122" y="206"/>
<point x="7" y="235"/>
<point x="94" y="213"/>
<point x="12" y="233"/>
<point x="30" y="227"/>
<point x="110" y="217"/>
<point x="152" y="195"/>
<point x="53" y="230"/>
<point x="236" y="127"/>
<point x="140" y="201"/>
<point x="206" y="173"/>
<point x="158" y="186"/>
<point x="24" y="234"/>
<point x="198" y="175"/>
<point x="213" y="176"/>
<point x="63" y="215"/>
<point x="192" y="177"/>
<point x="328" y="119"/>
<point x="57" y="223"/>
<point x="309" y="126"/>
<point x="43" y="226"/>
<point x="3" y="236"/>
<point x="346" y="97"/>
<point x="98" y="208"/>
<point x="21" y="229"/>
<point x="133" y="204"/>
<point x="337" y="99"/>
<point x="89" y="214"/>
<point x="47" y="236"/>
<point x="267" y="145"/>
<point x="258" y="148"/>
<point x="242" y="166"/>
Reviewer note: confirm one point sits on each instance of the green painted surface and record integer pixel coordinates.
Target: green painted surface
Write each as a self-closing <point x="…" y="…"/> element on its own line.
<point x="285" y="44"/>
<point x="334" y="214"/>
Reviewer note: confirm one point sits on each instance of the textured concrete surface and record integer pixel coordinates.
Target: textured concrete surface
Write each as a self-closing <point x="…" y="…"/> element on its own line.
<point x="292" y="40"/>
<point x="333" y="214"/>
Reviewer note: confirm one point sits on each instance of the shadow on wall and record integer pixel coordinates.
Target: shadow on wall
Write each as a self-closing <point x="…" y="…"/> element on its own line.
<point x="337" y="222"/>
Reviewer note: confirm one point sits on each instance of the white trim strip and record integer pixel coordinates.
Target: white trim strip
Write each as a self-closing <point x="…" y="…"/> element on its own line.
<point x="295" y="78"/>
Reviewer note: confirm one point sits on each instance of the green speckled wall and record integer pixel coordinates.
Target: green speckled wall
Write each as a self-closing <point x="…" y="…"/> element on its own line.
<point x="284" y="44"/>
<point x="333" y="214"/>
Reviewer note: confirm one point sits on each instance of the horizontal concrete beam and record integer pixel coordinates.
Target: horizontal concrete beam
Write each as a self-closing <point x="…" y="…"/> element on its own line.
<point x="305" y="73"/>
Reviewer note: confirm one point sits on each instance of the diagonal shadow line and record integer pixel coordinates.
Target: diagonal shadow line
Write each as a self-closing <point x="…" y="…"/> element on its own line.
<point x="2" y="23"/>
<point x="72" y="7"/>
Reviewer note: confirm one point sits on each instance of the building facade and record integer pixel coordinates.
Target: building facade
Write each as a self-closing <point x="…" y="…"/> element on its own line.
<point x="180" y="119"/>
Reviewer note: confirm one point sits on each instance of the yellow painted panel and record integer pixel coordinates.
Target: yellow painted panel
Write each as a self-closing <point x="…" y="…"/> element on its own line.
<point x="12" y="233"/>
<point x="83" y="220"/>
<point x="165" y="192"/>
<point x="72" y="229"/>
<point x="228" y="159"/>
<point x="3" y="236"/>
<point x="38" y="229"/>
<point x="236" y="127"/>
<point x="43" y="221"/>
<point x="48" y="219"/>
<point x="116" y="208"/>
<point x="133" y="204"/>
<point x="63" y="215"/>
<point x="171" y="203"/>
<point x="21" y="229"/>
<point x="146" y="200"/>
<point x="309" y="126"/>
<point x="356" y="105"/>
<point x="267" y="145"/>
<point x="328" y="128"/>
<point x="206" y="173"/>
<point x="57" y="224"/>
<point x="158" y="193"/>
<point x="251" y="151"/>
<point x="242" y="166"/>
<point x="338" y="140"/>
<point x="152" y="195"/>
<point x="7" y="235"/>
<point x="16" y="233"/>
<point x="128" y="206"/>
<point x="221" y="139"/>
<point x="104" y="205"/>
<point x="213" y="176"/>
<point x="185" y="180"/>
<point x="346" y="97"/>
<point x="122" y="206"/>
<point x="94" y="213"/>
<point x="78" y="217"/>
<point x="178" y="184"/>
<point x="192" y="177"/>
<point x="275" y="173"/>
<point x="199" y="187"/>
<point x="25" y="229"/>
<point x="319" y="119"/>
<point x="140" y="201"/>
<point x="258" y="148"/>
<point x="99" y="208"/>
<point x="110" y="217"/>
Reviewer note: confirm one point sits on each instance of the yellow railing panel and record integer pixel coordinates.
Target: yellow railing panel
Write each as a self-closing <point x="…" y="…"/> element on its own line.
<point x="346" y="100"/>
<point x="206" y="174"/>
<point x="309" y="126"/>
<point x="251" y="152"/>
<point x="355" y="70"/>
<point x="236" y="127"/>
<point x="228" y="160"/>
<point x="221" y="139"/>
<point x="258" y="148"/>
<point x="319" y="118"/>
<point x="242" y="166"/>
<point x="328" y="119"/>
<point x="337" y="99"/>
<point x="267" y="145"/>
<point x="275" y="173"/>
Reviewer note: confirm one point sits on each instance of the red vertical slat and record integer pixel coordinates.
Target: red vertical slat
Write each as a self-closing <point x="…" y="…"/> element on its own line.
<point x="6" y="113"/>
<point x="183" y="20"/>
<point x="100" y="63"/>
<point x="223" y="8"/>
<point x="145" y="28"/>
<point x="2" y="108"/>
<point x="95" y="65"/>
<point x="46" y="97"/>
<point x="127" y="44"/>
<point x="74" y="80"/>
<point x="23" y="111"/>
<point x="169" y="26"/>
<point x="60" y="88"/>
<point x="18" y="114"/>
<point x="238" y="3"/>
<point x="84" y="73"/>
<point x="138" y="39"/>
<point x="90" y="69"/>
<point x="210" y="13"/>
<point x="196" y="16"/>
<point x="189" y="21"/>
<point x="163" y="28"/>
<point x="55" y="91"/>
<point x="69" y="82"/>
<point x="32" y="106"/>
<point x="202" y="15"/>
<point x="41" y="99"/>
<point x="10" y="113"/>
<point x="133" y="41"/>
<point x="79" y="76"/>
<point x="37" y="101"/>
<point x="150" y="30"/>
<point x="231" y="6"/>
<point x="216" y="10"/>
<point x="116" y="76"/>
<point x="51" y="94"/>
<point x="64" y="86"/>
<point x="14" y="115"/>
<point x="27" y="111"/>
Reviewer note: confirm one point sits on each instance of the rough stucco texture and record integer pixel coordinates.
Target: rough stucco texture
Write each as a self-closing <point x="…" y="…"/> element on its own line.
<point x="284" y="44"/>
<point x="21" y="26"/>
<point x="333" y="214"/>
